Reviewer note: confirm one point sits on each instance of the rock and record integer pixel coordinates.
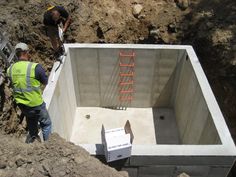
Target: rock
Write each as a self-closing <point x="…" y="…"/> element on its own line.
<point x="172" y="28"/>
<point x="141" y="38"/>
<point x="11" y="164"/>
<point x="154" y="32"/>
<point x="2" y="165"/>
<point x="183" y="175"/>
<point x="183" y="4"/>
<point x="19" y="161"/>
<point x="142" y="16"/>
<point x="101" y="41"/>
<point x="137" y="9"/>
<point x="68" y="171"/>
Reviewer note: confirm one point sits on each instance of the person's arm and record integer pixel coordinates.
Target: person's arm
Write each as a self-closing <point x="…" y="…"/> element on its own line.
<point x="40" y="75"/>
<point x="67" y="24"/>
<point x="66" y="16"/>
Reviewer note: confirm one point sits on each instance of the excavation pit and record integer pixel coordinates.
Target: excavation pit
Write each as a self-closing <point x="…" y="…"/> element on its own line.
<point x="176" y="121"/>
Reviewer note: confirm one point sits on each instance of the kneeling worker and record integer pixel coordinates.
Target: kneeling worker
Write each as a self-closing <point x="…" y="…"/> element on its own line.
<point x="26" y="78"/>
<point x="54" y="16"/>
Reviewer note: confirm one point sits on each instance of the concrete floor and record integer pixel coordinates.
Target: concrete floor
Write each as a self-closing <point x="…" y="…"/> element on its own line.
<point x="146" y="125"/>
<point x="88" y="131"/>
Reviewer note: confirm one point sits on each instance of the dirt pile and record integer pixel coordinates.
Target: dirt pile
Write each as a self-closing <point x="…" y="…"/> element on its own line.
<point x="54" y="158"/>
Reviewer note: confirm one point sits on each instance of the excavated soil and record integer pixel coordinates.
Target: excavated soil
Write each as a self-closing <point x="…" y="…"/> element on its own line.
<point x="207" y="25"/>
<point x="55" y="158"/>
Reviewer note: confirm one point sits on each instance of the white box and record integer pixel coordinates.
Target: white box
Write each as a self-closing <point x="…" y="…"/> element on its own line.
<point x="117" y="142"/>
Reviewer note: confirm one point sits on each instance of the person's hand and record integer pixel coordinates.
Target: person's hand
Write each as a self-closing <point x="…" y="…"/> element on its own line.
<point x="64" y="30"/>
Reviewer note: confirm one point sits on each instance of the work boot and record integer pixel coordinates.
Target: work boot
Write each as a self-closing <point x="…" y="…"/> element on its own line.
<point x="30" y="139"/>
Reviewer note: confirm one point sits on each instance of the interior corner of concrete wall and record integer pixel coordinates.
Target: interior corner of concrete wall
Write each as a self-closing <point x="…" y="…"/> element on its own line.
<point x="193" y="117"/>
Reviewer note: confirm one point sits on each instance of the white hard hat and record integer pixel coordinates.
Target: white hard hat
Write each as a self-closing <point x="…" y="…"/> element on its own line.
<point x="22" y="46"/>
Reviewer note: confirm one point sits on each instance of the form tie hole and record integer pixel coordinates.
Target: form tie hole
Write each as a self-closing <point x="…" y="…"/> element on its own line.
<point x="162" y="117"/>
<point x="87" y="116"/>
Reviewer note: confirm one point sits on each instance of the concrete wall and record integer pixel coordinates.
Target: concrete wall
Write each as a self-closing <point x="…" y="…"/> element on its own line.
<point x="98" y="76"/>
<point x="193" y="117"/>
<point x="62" y="105"/>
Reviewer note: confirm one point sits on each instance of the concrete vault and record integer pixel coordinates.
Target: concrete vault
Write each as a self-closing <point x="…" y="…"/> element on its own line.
<point x="176" y="121"/>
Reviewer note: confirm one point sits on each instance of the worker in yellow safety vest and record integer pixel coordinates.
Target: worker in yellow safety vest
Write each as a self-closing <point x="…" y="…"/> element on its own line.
<point x="26" y="78"/>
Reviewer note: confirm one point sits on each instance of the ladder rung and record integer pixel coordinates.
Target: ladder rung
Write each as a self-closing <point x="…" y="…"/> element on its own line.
<point x="127" y="91"/>
<point x="126" y="65"/>
<point x="127" y="83"/>
<point x="126" y="98"/>
<point x="127" y="55"/>
<point x="127" y="74"/>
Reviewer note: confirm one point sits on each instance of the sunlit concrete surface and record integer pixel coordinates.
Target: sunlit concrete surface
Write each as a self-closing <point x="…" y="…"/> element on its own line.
<point x="141" y="121"/>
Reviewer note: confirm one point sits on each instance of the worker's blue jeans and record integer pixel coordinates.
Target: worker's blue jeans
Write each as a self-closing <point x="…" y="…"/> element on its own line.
<point x="37" y="116"/>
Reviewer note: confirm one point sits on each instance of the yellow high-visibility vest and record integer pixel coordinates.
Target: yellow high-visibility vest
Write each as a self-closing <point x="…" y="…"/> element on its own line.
<point x="25" y="86"/>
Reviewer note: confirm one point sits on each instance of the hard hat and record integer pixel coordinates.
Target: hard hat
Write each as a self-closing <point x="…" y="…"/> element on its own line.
<point x="22" y="46"/>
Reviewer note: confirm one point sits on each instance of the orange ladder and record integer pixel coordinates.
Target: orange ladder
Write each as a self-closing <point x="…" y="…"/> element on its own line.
<point x="126" y="75"/>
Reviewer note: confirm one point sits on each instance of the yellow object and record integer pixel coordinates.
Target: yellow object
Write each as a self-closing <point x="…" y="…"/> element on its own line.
<point x="25" y="86"/>
<point x="49" y="8"/>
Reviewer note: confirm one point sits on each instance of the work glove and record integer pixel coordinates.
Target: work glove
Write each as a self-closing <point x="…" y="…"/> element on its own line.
<point x="61" y="33"/>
